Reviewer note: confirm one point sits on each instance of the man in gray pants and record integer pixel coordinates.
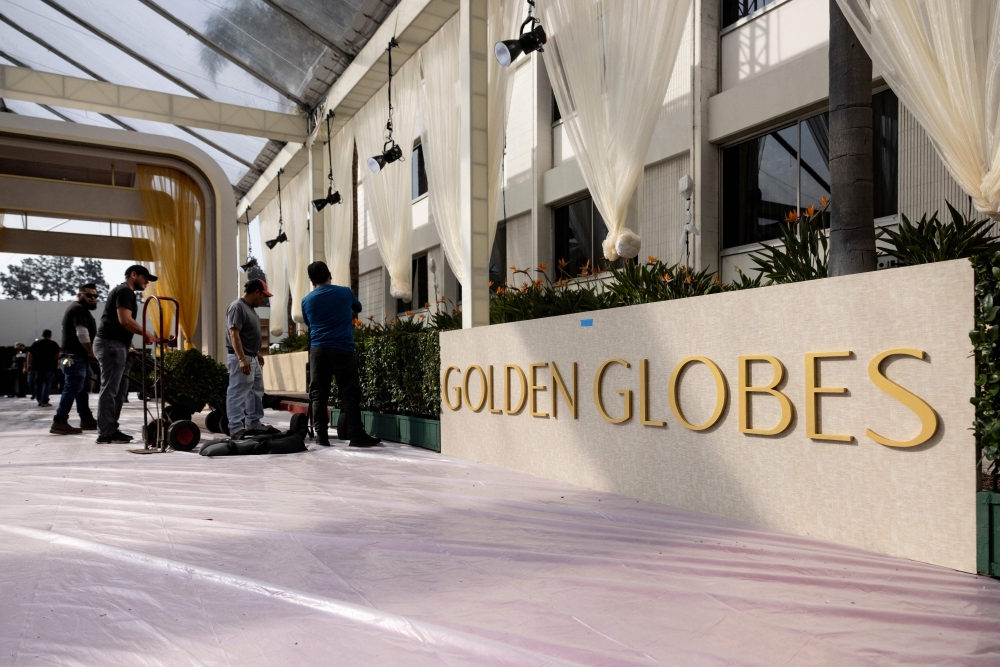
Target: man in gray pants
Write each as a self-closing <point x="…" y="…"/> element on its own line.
<point x="114" y="338"/>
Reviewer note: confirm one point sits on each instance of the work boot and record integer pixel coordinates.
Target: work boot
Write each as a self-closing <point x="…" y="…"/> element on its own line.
<point x="238" y="435"/>
<point x="88" y="424"/>
<point x="64" y="429"/>
<point x="365" y="440"/>
<point x="322" y="439"/>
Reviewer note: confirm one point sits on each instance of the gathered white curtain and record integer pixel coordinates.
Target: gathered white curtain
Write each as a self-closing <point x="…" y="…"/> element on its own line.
<point x="610" y="62"/>
<point x="274" y="263"/>
<point x="942" y="59"/>
<point x="503" y="20"/>
<point x="389" y="192"/>
<point x="338" y="234"/>
<point x="440" y="137"/>
<point x="298" y="256"/>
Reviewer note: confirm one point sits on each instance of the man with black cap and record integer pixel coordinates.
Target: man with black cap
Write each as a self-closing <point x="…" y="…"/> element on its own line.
<point x="114" y="337"/>
<point x="79" y="331"/>
<point x="245" y="396"/>
<point x="329" y="312"/>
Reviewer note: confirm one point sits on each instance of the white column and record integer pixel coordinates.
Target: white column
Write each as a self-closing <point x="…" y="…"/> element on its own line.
<point x="541" y="215"/>
<point x="704" y="154"/>
<point x="317" y="221"/>
<point x="473" y="50"/>
<point x="244" y="234"/>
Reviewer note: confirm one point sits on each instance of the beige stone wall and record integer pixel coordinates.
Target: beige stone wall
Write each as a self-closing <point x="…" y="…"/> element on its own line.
<point x="917" y="503"/>
<point x="285" y="372"/>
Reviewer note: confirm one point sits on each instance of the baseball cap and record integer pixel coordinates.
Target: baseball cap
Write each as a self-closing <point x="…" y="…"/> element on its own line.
<point x="254" y="285"/>
<point x="142" y="271"/>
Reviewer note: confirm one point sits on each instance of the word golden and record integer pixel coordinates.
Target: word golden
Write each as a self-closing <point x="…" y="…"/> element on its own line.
<point x="476" y="388"/>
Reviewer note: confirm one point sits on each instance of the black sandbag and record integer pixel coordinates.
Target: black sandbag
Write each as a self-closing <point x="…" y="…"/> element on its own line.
<point x="288" y="442"/>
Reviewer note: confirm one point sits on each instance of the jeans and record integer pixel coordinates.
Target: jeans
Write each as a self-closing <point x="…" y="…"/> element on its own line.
<point x="43" y="383"/>
<point x="245" y="396"/>
<point x="32" y="386"/>
<point x="325" y="364"/>
<point x="76" y="379"/>
<point x="113" y="358"/>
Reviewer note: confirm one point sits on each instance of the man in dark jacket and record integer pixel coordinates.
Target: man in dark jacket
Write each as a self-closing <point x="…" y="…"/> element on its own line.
<point x="329" y="312"/>
<point x="43" y="360"/>
<point x="114" y="338"/>
<point x="78" y="332"/>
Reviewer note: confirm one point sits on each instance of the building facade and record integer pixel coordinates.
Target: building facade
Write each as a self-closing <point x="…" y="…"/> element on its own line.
<point x="745" y="117"/>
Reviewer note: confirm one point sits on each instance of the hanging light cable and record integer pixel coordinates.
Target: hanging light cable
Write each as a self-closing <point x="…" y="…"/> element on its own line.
<point x="281" y="237"/>
<point x="251" y="260"/>
<point x="508" y="50"/>
<point x="332" y="197"/>
<point x="391" y="152"/>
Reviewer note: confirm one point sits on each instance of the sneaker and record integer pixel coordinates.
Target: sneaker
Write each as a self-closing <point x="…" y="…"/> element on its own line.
<point x="322" y="439"/>
<point x="365" y="440"/>
<point x="116" y="437"/>
<point x="45" y="405"/>
<point x="64" y="429"/>
<point x="88" y="424"/>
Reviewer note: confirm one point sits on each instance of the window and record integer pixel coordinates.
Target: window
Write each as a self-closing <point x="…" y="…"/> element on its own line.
<point x="579" y="233"/>
<point x="789" y="169"/>
<point x="418" y="283"/>
<point x="734" y="10"/>
<point x="498" y="258"/>
<point x="419" y="171"/>
<point x="556" y="114"/>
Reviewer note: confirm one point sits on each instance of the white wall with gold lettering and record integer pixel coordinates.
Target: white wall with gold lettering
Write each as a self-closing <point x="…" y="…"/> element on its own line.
<point x="837" y="408"/>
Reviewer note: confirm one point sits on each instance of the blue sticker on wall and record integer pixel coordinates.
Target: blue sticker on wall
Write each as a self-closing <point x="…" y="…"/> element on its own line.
<point x="586" y="323"/>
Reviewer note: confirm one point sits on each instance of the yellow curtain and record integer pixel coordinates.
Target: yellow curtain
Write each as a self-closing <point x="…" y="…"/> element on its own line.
<point x="172" y="239"/>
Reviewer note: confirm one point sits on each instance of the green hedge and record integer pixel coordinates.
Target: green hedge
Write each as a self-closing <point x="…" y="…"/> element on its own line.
<point x="984" y="341"/>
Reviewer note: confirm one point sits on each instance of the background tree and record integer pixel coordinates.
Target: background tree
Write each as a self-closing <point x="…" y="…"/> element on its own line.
<point x="51" y="278"/>
<point x="91" y="271"/>
<point x="852" y="190"/>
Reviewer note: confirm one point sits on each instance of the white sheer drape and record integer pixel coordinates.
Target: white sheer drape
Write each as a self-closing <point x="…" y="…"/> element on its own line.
<point x="610" y="62"/>
<point x="389" y="192"/>
<point x="942" y="59"/>
<point x="274" y="264"/>
<point x="297" y="255"/>
<point x="338" y="234"/>
<point x="502" y="23"/>
<point x="442" y="113"/>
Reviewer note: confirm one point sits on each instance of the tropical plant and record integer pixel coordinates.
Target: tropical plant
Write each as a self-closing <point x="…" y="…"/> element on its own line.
<point x="805" y="252"/>
<point x="984" y="337"/>
<point x="654" y="281"/>
<point x="931" y="240"/>
<point x="293" y="342"/>
<point x="540" y="297"/>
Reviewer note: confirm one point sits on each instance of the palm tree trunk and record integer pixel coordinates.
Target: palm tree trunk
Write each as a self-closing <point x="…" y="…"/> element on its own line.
<point x="852" y="218"/>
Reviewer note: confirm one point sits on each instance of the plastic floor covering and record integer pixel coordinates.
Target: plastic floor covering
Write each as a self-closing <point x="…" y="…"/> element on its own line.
<point x="399" y="556"/>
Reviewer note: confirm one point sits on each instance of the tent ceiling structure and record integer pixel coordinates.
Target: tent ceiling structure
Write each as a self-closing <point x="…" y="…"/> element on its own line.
<point x="272" y="55"/>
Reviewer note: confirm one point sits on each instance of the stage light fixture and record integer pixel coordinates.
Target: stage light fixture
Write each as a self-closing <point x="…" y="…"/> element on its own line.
<point x="532" y="39"/>
<point x="281" y="237"/>
<point x="391" y="152"/>
<point x="331" y="197"/>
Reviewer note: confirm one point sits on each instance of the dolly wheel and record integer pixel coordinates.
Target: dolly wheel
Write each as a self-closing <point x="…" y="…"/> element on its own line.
<point x="299" y="423"/>
<point x="183" y="435"/>
<point x="179" y="413"/>
<point x="151" y="430"/>
<point x="213" y="421"/>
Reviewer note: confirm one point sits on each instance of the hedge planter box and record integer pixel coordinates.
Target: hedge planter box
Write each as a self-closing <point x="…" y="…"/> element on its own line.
<point x="416" y="431"/>
<point x="988" y="532"/>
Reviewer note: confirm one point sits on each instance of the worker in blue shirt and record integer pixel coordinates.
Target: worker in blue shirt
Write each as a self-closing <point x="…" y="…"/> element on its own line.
<point x="329" y="312"/>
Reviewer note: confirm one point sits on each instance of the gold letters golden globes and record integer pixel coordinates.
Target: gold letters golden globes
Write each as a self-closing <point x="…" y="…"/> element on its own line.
<point x="476" y="388"/>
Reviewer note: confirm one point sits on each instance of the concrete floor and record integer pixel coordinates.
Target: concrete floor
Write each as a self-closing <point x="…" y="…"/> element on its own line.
<point x="399" y="556"/>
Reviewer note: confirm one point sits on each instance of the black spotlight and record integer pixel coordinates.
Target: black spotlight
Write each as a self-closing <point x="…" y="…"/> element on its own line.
<point x="532" y="39"/>
<point x="390" y="153"/>
<point x="251" y="263"/>
<point x="281" y="238"/>
<point x="331" y="196"/>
